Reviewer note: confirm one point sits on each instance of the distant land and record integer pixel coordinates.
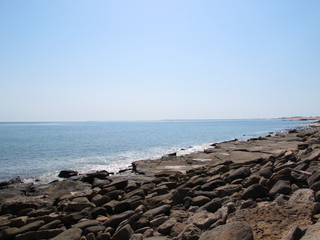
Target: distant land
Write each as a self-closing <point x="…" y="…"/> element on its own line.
<point x="298" y="118"/>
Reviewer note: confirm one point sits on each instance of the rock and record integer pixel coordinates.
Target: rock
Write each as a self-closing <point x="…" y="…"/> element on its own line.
<point x="255" y="191"/>
<point x="137" y="236"/>
<point x="78" y="204"/>
<point x="89" y="177"/>
<point x="70" y="234"/>
<point x="166" y="227"/>
<point x="48" y="233"/>
<point x="294" y="234"/>
<point x="315" y="187"/>
<point x="230" y="231"/>
<point x="19" y="221"/>
<point x="312" y="233"/>
<point x="50" y="225"/>
<point x="299" y="175"/>
<point x="179" y="195"/>
<point x="158" y="221"/>
<point x="122" y="206"/>
<point x="98" y="211"/>
<point x="67" y="173"/>
<point x="164" y="209"/>
<point x="9" y="233"/>
<point x="123" y="234"/>
<point x="100" y="182"/>
<point x="212" y="185"/>
<point x="239" y="173"/>
<point x="248" y="204"/>
<point x="315" y="177"/>
<point x="253" y="179"/>
<point x="265" y="172"/>
<point x="85" y="224"/>
<point x="115" y="220"/>
<point x="212" y="206"/>
<point x="177" y="229"/>
<point x="94" y="229"/>
<point x="227" y="190"/>
<point x="280" y="187"/>
<point x="204" y="219"/>
<point x="302" y="196"/>
<point x="284" y="174"/>
<point x="31" y="226"/>
<point x="199" y="200"/>
<point x="190" y="232"/>
<point x="119" y="184"/>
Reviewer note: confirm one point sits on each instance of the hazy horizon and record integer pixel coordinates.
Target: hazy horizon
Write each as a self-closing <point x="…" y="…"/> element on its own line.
<point x="158" y="60"/>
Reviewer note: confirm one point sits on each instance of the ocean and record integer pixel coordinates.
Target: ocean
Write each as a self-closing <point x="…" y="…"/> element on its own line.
<point x="39" y="150"/>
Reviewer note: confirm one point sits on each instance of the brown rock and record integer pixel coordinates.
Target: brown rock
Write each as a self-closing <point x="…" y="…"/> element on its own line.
<point x="165" y="228"/>
<point x="190" y="232"/>
<point x="70" y="234"/>
<point x="124" y="233"/>
<point x="230" y="231"/>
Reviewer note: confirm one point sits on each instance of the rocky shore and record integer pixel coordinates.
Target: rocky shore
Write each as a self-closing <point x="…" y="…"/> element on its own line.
<point x="263" y="188"/>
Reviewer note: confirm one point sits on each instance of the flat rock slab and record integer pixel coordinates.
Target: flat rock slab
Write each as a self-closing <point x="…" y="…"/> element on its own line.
<point x="236" y="151"/>
<point x="230" y="231"/>
<point x="272" y="222"/>
<point x="313" y="232"/>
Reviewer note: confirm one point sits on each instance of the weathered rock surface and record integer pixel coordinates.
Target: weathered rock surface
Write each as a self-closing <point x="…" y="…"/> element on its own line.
<point x="267" y="188"/>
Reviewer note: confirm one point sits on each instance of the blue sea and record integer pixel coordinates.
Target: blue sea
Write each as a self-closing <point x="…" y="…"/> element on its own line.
<point x="39" y="150"/>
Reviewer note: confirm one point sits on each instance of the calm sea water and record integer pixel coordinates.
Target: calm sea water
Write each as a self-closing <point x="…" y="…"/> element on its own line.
<point x="40" y="150"/>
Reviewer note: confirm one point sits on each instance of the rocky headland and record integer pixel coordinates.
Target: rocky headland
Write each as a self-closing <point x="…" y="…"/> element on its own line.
<point x="262" y="188"/>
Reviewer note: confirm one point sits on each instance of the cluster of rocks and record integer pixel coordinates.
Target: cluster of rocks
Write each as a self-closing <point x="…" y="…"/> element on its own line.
<point x="276" y="196"/>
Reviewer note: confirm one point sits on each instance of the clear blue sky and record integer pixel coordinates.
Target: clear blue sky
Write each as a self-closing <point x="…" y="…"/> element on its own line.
<point x="161" y="59"/>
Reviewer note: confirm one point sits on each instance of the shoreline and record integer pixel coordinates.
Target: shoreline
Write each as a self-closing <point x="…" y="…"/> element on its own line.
<point x="267" y="187"/>
<point x="181" y="152"/>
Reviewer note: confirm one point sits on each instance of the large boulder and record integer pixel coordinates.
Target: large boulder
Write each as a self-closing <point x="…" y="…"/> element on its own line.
<point x="230" y="231"/>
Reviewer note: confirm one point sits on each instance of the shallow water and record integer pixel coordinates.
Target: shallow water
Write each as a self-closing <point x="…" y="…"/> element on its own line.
<point x="41" y="149"/>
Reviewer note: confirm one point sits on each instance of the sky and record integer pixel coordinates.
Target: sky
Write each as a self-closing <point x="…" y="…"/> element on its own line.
<point x="63" y="60"/>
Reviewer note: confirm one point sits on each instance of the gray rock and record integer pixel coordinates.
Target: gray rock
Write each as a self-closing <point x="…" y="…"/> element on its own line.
<point x="124" y="233"/>
<point x="67" y="173"/>
<point x="294" y="234"/>
<point x="265" y="172"/>
<point x="190" y="232"/>
<point x="158" y="221"/>
<point x="115" y="220"/>
<point x="200" y="200"/>
<point x="282" y="187"/>
<point x="239" y="173"/>
<point x="255" y="191"/>
<point x="315" y="177"/>
<point x="230" y="231"/>
<point x="304" y="195"/>
<point x="212" y="185"/>
<point x="284" y="174"/>
<point x="312" y="233"/>
<point x="70" y="234"/>
<point x="165" y="228"/>
<point x="50" y="225"/>
<point x="137" y="236"/>
<point x="85" y="224"/>
<point x="164" y="209"/>
<point x="212" y="206"/>
<point x="315" y="187"/>
<point x="9" y="233"/>
<point x="248" y="204"/>
<point x="31" y="226"/>
<point x="227" y="190"/>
